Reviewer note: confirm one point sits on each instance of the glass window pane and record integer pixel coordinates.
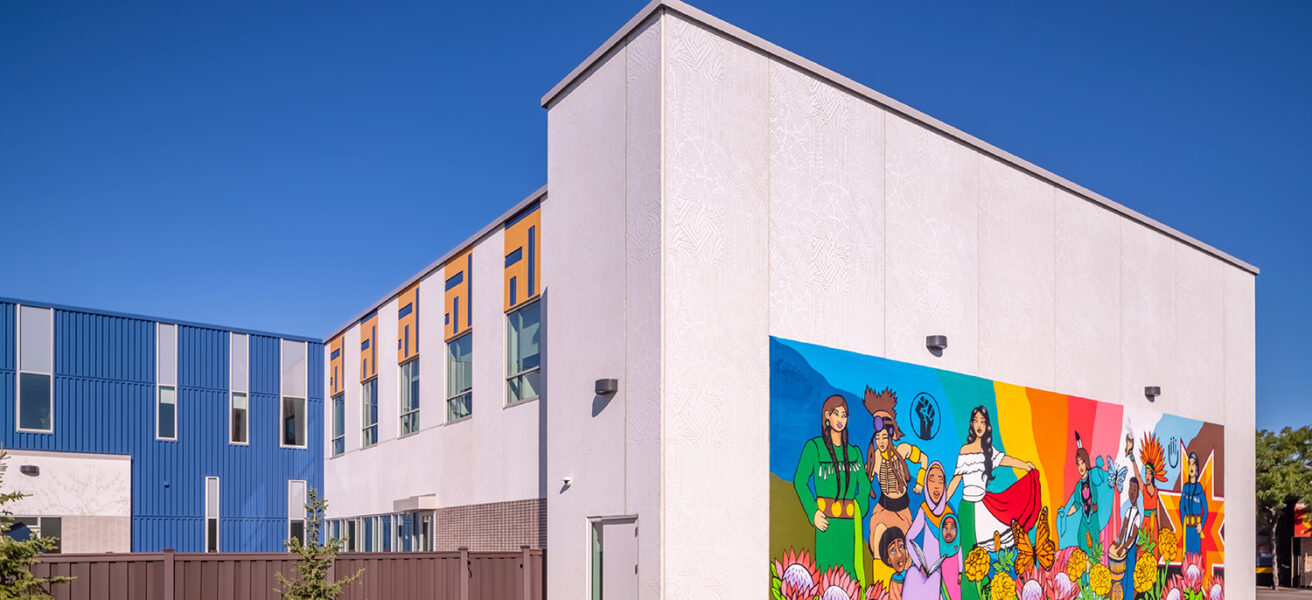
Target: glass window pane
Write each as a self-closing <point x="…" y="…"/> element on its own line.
<point x="293" y="368"/>
<point x="458" y="407"/>
<point x="339" y="415"/>
<point x="34" y="339"/>
<point x="167" y="361"/>
<point x="298" y="530"/>
<point x="34" y="406"/>
<point x="52" y="527"/>
<point x="460" y="365"/>
<point x="296" y="499"/>
<point x="238" y="424"/>
<point x="211" y="535"/>
<point x="525" y="339"/>
<point x="339" y="446"/>
<point x="239" y="362"/>
<point x="168" y="420"/>
<point x="293" y="421"/>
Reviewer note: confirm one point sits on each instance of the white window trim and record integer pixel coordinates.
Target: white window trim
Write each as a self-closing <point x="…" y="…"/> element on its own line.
<point x="159" y="386"/>
<point x="243" y="388"/>
<point x="505" y="401"/>
<point x="400" y="406"/>
<point x="305" y="491"/>
<point x="364" y="426"/>
<point x="446" y="364"/>
<point x="18" y="368"/>
<point x="332" y="436"/>
<point x="218" y="523"/>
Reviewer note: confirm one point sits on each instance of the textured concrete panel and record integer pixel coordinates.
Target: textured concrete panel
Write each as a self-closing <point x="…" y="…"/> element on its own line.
<point x="1087" y="352"/>
<point x="1017" y="276"/>
<point x="716" y="315"/>
<point x="1148" y="353"/>
<point x="826" y="214"/>
<point x="583" y="263"/>
<point x="642" y="298"/>
<point x="1199" y="328"/>
<point x="1240" y="372"/>
<point x="931" y="250"/>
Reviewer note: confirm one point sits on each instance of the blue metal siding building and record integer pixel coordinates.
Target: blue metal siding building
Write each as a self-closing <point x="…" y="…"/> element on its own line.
<point x="104" y="402"/>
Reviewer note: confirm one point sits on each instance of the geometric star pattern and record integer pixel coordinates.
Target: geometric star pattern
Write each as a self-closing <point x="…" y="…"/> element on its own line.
<point x="1213" y="543"/>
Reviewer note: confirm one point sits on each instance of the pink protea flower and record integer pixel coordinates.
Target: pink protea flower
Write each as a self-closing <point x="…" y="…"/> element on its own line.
<point x="1060" y="587"/>
<point x="836" y="584"/>
<point x="1192" y="569"/>
<point x="1217" y="591"/>
<point x="876" y="591"/>
<point x="1030" y="584"/>
<point x="798" y="575"/>
<point x="1175" y="588"/>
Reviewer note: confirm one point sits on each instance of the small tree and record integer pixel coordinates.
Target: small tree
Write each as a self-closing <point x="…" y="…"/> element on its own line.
<point x="17" y="557"/>
<point x="1284" y="476"/>
<point x="315" y="560"/>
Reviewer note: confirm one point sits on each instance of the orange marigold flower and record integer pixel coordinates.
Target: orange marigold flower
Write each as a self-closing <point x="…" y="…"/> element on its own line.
<point x="1078" y="561"/>
<point x="977" y="564"/>
<point x="1100" y="579"/>
<point x="1168" y="546"/>
<point x="1145" y="574"/>
<point x="1003" y="587"/>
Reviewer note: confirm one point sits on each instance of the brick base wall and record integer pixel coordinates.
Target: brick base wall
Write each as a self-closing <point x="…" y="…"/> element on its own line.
<point x="496" y="526"/>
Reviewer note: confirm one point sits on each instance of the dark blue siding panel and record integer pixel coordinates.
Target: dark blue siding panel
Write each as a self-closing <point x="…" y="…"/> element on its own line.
<point x="104" y="403"/>
<point x="7" y="335"/>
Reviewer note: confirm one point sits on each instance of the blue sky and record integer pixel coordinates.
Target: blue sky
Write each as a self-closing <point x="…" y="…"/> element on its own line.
<point x="241" y="162"/>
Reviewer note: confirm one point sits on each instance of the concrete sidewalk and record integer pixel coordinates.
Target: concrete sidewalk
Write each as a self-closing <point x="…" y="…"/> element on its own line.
<point x="1283" y="594"/>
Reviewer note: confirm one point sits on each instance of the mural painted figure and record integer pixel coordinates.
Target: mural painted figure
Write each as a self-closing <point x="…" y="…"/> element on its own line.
<point x="838" y="505"/>
<point x="1050" y="496"/>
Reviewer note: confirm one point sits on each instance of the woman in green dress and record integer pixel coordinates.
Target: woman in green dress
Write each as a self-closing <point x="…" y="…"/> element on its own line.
<point x="842" y="492"/>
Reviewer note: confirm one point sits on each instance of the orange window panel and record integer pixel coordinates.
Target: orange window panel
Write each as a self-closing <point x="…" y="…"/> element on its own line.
<point x="523" y="255"/>
<point x="458" y="319"/>
<point x="407" y="324"/>
<point x="369" y="348"/>
<point x="335" y="366"/>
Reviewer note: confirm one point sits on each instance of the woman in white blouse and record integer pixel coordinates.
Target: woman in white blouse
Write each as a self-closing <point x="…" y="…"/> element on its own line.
<point x="982" y="512"/>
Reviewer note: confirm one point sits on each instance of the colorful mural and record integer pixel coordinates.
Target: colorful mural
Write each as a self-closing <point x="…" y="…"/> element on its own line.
<point x="890" y="480"/>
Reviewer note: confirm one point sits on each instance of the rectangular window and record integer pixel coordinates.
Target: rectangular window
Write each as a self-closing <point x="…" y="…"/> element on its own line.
<point x="339" y="424"/>
<point x="238" y="386"/>
<point x="238" y="424"/>
<point x="367" y="534"/>
<point x="351" y="526"/>
<point x="39" y="527"/>
<point x="296" y="510"/>
<point x="410" y="397"/>
<point x="293" y="422"/>
<point x="369" y="404"/>
<point x="35" y="369"/>
<point x="426" y="533"/>
<point x="379" y="534"/>
<point x="459" y="377"/>
<point x="166" y="379"/>
<point x="524" y="345"/>
<point x="211" y="514"/>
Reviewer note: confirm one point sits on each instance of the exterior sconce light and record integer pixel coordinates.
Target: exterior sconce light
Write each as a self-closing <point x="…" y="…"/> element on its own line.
<point x="1152" y="392"/>
<point x="32" y="470"/>
<point x="606" y="387"/>
<point x="936" y="342"/>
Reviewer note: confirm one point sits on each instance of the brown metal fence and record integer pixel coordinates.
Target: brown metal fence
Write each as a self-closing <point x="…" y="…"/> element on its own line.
<point x="387" y="576"/>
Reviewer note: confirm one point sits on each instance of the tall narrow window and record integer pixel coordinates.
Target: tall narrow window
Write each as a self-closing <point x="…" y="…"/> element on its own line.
<point x="166" y="376"/>
<point x="369" y="402"/>
<point x="524" y="365"/>
<point x="35" y="369"/>
<point x="238" y="384"/>
<point x="351" y="537"/>
<point x="410" y="397"/>
<point x="426" y="533"/>
<point x="296" y="510"/>
<point x="211" y="514"/>
<point x="339" y="424"/>
<point x="459" y="377"/>
<point x="294" y="385"/>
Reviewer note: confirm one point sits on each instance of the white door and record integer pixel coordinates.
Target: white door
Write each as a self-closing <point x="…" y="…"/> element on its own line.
<point x="615" y="559"/>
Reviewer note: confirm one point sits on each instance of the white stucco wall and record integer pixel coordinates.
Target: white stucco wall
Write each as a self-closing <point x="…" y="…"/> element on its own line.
<point x="792" y="204"/>
<point x="492" y="457"/>
<point x="91" y="493"/>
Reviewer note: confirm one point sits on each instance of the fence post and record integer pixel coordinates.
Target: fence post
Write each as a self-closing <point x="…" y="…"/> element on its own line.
<point x="464" y="573"/>
<point x="526" y="572"/>
<point x="168" y="574"/>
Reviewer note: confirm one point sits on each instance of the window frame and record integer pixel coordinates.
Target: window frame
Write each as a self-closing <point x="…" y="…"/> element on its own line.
<point x="40" y="530"/>
<point x="365" y="426"/>
<point x="511" y="377"/>
<point x="218" y="497"/>
<point x="469" y="392"/>
<point x="238" y="387"/>
<point x="402" y="387"/>
<point x="19" y="371"/>
<point x="305" y="496"/>
<point x="303" y="424"/>
<point x="337" y="412"/>
<point x="159" y="387"/>
<point x="232" y="401"/>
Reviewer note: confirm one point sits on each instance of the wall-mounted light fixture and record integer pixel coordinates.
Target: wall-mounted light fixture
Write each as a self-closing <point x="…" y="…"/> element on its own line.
<point x="606" y="387"/>
<point x="936" y="342"/>
<point x="32" y="470"/>
<point x="1152" y="392"/>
